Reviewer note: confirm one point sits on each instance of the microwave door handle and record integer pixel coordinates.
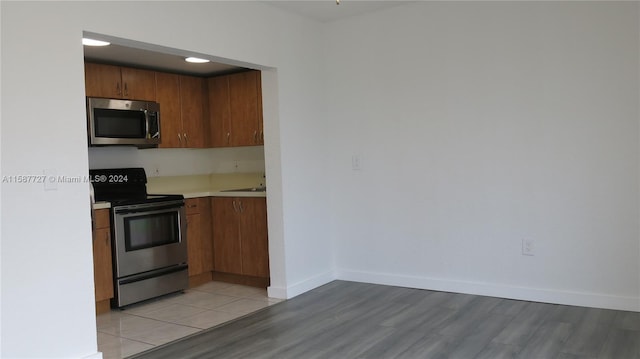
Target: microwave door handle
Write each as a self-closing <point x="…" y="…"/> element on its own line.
<point x="156" y="115"/>
<point x="146" y="122"/>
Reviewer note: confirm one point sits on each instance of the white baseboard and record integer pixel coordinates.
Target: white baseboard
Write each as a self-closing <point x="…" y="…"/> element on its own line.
<point x="584" y="299"/>
<point x="277" y="292"/>
<point x="97" y="355"/>
<point x="301" y="287"/>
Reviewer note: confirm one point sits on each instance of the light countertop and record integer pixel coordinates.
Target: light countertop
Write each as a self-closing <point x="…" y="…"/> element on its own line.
<point x="101" y="205"/>
<point x="196" y="186"/>
<point x="224" y="194"/>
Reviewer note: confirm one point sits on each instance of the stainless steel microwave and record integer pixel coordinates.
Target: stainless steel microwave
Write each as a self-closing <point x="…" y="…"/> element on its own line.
<point x="123" y="122"/>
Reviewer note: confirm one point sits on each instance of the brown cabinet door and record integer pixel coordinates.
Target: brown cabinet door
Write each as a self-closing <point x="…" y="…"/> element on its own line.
<point x="194" y="244"/>
<point x="102" y="267"/>
<point x="168" y="96"/>
<point x="243" y="104"/>
<point x="199" y="241"/>
<point x="255" y="244"/>
<point x="101" y="219"/>
<point x="205" y="234"/>
<point x="138" y="84"/>
<point x="235" y="109"/>
<point x="259" y="119"/>
<point x="219" y="116"/>
<point x="227" y="253"/>
<point x="192" y="206"/>
<point x="192" y="111"/>
<point x="119" y="82"/>
<point x="102" y="80"/>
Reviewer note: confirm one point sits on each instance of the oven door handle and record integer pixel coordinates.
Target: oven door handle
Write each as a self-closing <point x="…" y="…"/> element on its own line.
<point x="147" y="209"/>
<point x="92" y="196"/>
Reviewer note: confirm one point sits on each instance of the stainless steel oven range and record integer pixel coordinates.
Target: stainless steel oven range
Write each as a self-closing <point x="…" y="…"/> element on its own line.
<point x="149" y="236"/>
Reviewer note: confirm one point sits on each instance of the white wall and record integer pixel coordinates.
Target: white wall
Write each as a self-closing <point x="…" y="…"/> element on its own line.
<point x="479" y="125"/>
<point x="47" y="282"/>
<point x="0" y="182"/>
<point x="46" y="241"/>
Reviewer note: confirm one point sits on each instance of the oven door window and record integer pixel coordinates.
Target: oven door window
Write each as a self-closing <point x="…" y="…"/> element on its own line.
<point x="119" y="123"/>
<point x="146" y="231"/>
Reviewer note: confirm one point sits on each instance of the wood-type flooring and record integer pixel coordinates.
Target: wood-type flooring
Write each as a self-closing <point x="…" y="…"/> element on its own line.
<point x="356" y="320"/>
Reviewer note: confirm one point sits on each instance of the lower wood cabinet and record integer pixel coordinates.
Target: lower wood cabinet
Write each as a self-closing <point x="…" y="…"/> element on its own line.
<point x="102" y="264"/>
<point x="240" y="239"/>
<point x="199" y="241"/>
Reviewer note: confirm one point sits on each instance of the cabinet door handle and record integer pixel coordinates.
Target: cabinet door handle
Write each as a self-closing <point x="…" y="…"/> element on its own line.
<point x="185" y="138"/>
<point x="241" y="208"/>
<point x="255" y="136"/>
<point x="126" y="90"/>
<point x="261" y="136"/>
<point x="235" y="206"/>
<point x="179" y="138"/>
<point x="228" y="137"/>
<point x="118" y="91"/>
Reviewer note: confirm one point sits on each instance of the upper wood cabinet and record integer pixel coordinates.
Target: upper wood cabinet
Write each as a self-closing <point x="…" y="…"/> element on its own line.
<point x="245" y="108"/>
<point x="182" y="107"/>
<point x="235" y="109"/>
<point x="119" y="82"/>
<point x="219" y="111"/>
<point x="168" y="96"/>
<point x="222" y="111"/>
<point x="193" y="99"/>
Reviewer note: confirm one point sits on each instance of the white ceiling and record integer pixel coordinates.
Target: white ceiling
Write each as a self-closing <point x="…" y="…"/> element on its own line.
<point x="153" y="59"/>
<point x="129" y="53"/>
<point x="328" y="10"/>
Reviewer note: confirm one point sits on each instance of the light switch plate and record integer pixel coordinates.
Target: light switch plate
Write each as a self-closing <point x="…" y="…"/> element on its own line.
<point x="356" y="162"/>
<point x="528" y="247"/>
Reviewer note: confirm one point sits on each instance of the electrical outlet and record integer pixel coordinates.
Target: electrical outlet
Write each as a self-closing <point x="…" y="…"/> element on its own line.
<point x="356" y="163"/>
<point x="528" y="247"/>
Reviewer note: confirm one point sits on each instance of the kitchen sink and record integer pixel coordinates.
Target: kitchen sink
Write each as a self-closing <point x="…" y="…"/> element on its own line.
<point x="251" y="189"/>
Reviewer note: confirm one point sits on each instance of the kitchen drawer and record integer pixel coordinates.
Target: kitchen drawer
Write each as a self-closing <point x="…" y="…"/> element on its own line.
<point x="196" y="205"/>
<point x="101" y="218"/>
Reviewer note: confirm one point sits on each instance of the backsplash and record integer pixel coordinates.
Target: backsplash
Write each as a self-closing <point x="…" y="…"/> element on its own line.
<point x="204" y="183"/>
<point x="180" y="162"/>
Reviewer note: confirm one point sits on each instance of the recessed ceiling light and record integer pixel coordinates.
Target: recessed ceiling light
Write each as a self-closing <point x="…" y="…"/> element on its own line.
<point x="196" y="60"/>
<point x="92" y="42"/>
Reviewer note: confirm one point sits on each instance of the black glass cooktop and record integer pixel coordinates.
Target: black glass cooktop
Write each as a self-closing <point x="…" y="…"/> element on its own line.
<point x="125" y="186"/>
<point x="152" y="198"/>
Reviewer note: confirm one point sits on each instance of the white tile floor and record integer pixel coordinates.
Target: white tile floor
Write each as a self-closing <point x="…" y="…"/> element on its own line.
<point x="122" y="333"/>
